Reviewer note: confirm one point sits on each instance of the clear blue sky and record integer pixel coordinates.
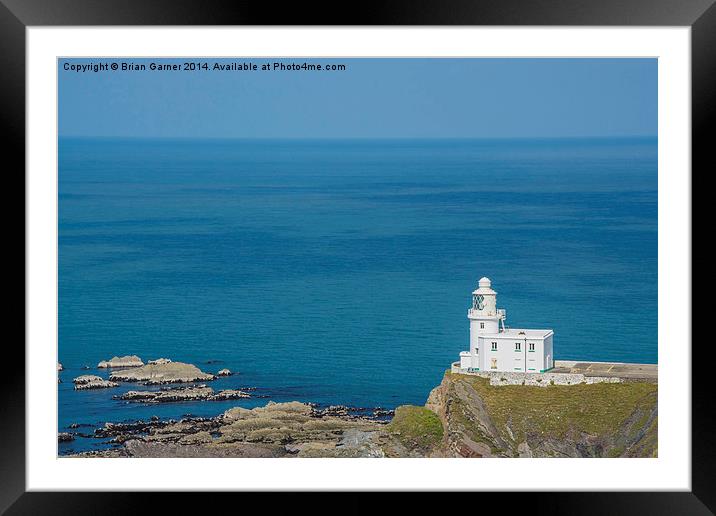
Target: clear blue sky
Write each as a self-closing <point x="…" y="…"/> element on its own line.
<point x="373" y="98"/>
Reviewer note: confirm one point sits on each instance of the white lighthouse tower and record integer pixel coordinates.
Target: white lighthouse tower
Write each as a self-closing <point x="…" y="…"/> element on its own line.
<point x="484" y="316"/>
<point x="493" y="347"/>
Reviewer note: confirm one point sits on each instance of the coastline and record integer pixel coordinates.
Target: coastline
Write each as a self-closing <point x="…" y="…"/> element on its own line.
<point x="464" y="416"/>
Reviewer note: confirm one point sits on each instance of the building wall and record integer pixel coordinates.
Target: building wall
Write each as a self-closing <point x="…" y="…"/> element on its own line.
<point x="474" y="334"/>
<point x="535" y="359"/>
<point x="508" y="358"/>
<point x="480" y="327"/>
<point x="465" y="360"/>
<point x="548" y="353"/>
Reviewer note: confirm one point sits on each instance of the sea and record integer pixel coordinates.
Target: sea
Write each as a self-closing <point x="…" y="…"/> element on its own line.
<point x="340" y="271"/>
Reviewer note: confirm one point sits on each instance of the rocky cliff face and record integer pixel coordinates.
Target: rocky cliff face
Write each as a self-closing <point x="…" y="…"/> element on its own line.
<point x="464" y="417"/>
<point x="598" y="420"/>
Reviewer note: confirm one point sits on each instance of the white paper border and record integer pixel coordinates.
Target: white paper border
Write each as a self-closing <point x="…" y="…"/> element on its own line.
<point x="670" y="471"/>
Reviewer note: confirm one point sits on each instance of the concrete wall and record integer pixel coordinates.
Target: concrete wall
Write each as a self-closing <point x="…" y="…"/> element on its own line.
<point x="536" y="379"/>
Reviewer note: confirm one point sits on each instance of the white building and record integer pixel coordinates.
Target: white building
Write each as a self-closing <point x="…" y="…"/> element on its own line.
<point x="495" y="347"/>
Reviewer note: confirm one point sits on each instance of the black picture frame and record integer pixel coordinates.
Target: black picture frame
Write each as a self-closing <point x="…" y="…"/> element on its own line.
<point x="17" y="15"/>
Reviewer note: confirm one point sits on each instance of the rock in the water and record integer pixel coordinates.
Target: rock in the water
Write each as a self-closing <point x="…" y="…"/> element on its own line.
<point x="160" y="361"/>
<point x="86" y="378"/>
<point x="224" y="372"/>
<point x="64" y="437"/>
<point x="124" y="430"/>
<point x="127" y="361"/>
<point x="229" y="394"/>
<point x="90" y="381"/>
<point x="182" y="394"/>
<point x="199" y="393"/>
<point x="155" y="374"/>
<point x="336" y="410"/>
<point x="59" y="367"/>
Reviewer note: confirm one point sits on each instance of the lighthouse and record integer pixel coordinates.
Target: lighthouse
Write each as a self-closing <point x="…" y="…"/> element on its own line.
<point x="483" y="314"/>
<point x="495" y="347"/>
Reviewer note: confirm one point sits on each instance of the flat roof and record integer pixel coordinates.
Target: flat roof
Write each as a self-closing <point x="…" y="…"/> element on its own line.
<point x="519" y="333"/>
<point x="617" y="369"/>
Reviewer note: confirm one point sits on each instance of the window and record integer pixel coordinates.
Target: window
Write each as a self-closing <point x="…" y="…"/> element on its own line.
<point x="494" y="346"/>
<point x="532" y="346"/>
<point x="518" y="346"/>
<point x="482" y="325"/>
<point x="478" y="302"/>
<point x="493" y="363"/>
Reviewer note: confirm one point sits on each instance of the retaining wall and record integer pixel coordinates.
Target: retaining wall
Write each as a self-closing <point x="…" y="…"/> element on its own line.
<point x="539" y="379"/>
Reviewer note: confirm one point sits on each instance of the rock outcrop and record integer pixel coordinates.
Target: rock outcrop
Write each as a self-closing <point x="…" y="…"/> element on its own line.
<point x="126" y="361"/>
<point x="224" y="372"/>
<point x="90" y="381"/>
<point x="586" y="420"/>
<point x="198" y="393"/>
<point x="290" y="429"/>
<point x="59" y="367"/>
<point x="159" y="361"/>
<point x="168" y="372"/>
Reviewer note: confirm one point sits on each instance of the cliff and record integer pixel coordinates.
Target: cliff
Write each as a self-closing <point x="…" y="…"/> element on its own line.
<point x="596" y="420"/>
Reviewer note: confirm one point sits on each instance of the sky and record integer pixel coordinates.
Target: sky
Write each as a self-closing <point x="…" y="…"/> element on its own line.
<point x="371" y="98"/>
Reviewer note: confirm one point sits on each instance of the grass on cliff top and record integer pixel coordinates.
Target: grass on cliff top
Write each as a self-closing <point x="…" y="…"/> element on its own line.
<point x="554" y="410"/>
<point x="416" y="426"/>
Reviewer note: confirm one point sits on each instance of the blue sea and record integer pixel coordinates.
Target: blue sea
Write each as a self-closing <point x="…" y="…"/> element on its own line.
<point x="338" y="271"/>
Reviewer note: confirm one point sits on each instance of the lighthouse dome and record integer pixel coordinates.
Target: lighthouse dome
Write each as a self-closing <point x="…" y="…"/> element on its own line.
<point x="484" y="287"/>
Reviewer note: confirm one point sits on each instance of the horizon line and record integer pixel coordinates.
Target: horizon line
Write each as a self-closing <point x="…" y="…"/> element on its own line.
<point x="367" y="138"/>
